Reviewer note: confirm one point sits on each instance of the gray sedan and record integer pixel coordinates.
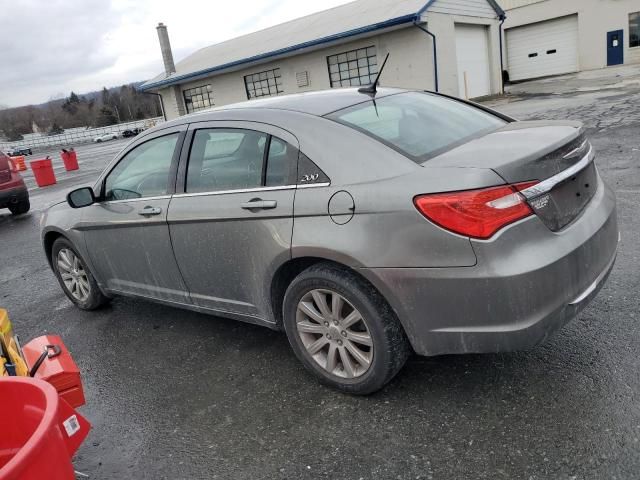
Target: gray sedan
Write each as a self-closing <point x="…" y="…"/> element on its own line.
<point x="366" y="226"/>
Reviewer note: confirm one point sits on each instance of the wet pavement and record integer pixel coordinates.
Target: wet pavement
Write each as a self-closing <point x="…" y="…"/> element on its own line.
<point x="179" y="395"/>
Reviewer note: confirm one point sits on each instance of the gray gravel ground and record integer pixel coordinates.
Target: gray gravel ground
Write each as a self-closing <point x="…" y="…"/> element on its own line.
<point x="179" y="395"/>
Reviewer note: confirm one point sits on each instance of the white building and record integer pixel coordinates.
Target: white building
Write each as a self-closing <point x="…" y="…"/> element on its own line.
<point x="451" y="46"/>
<point x="551" y="37"/>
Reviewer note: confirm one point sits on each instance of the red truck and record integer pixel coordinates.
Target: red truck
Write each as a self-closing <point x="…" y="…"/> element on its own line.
<point x="13" y="192"/>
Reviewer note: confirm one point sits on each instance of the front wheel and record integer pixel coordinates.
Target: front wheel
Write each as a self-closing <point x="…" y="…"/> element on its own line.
<point x="343" y="330"/>
<point x="74" y="276"/>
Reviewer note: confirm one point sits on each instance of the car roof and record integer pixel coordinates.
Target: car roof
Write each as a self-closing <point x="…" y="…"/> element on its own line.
<point x="317" y="103"/>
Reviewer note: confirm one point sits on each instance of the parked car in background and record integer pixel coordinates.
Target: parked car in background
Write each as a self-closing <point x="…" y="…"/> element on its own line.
<point x="131" y="132"/>
<point x="13" y="192"/>
<point x="105" y="138"/>
<point x="365" y="228"/>
<point x="15" y="151"/>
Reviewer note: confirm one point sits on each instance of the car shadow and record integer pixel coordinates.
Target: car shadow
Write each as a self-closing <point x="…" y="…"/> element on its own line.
<point x="7" y="217"/>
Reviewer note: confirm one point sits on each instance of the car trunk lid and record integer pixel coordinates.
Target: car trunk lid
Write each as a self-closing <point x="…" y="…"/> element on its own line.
<point x="555" y="154"/>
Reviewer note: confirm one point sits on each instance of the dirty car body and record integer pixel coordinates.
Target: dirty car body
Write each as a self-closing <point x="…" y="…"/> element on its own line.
<point x="482" y="233"/>
<point x="13" y="191"/>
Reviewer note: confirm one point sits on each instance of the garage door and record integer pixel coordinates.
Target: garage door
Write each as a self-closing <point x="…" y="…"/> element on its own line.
<point x="542" y="49"/>
<point x="472" y="51"/>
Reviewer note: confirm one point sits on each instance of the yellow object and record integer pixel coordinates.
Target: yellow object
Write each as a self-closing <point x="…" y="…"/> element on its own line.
<point x="10" y="347"/>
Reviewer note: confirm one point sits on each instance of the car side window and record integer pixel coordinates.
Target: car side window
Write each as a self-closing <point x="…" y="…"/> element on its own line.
<point x="225" y="159"/>
<point x="234" y="159"/>
<point x="281" y="163"/>
<point x="143" y="172"/>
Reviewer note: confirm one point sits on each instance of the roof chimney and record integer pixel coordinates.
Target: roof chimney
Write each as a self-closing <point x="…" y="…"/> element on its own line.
<point x="165" y="47"/>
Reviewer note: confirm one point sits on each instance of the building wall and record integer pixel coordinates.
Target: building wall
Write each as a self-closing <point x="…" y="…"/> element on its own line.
<point x="443" y="26"/>
<point x="410" y="63"/>
<point x="410" y="66"/>
<point x="595" y="19"/>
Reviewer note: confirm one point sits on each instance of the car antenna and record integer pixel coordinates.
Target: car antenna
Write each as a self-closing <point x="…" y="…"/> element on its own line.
<point x="373" y="88"/>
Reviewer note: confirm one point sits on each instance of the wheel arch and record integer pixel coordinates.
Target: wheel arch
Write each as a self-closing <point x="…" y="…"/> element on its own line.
<point x="48" y="239"/>
<point x="285" y="274"/>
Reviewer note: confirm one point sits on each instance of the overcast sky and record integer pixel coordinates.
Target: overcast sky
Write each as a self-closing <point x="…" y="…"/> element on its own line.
<point x="50" y="47"/>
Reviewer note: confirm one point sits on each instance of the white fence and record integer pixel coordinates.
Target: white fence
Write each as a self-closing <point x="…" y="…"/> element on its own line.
<point x="75" y="136"/>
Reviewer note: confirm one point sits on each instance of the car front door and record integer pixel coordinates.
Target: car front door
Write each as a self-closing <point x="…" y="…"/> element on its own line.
<point x="126" y="231"/>
<point x="231" y="219"/>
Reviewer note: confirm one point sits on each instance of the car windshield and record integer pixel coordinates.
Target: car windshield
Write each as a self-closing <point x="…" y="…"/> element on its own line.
<point x="418" y="124"/>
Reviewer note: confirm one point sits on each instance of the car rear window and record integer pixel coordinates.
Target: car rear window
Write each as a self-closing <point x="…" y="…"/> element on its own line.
<point x="419" y="125"/>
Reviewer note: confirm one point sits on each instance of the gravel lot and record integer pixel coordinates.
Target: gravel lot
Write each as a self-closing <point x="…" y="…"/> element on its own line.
<point x="179" y="395"/>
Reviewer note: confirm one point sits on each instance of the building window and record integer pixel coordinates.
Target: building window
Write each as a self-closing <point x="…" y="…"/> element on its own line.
<point x="353" y="68"/>
<point x="263" y="84"/>
<point x="198" y="98"/>
<point x="634" y="29"/>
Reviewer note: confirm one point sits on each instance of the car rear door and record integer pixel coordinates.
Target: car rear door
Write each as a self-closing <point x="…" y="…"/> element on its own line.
<point x="231" y="219"/>
<point x="126" y="231"/>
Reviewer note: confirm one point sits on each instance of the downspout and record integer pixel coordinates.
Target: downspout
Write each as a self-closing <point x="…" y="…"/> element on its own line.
<point x="435" y="51"/>
<point x="502" y="17"/>
<point x="164" y="115"/>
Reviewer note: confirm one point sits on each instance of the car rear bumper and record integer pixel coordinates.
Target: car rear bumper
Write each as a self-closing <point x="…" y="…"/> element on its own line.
<point x="528" y="283"/>
<point x="13" y="195"/>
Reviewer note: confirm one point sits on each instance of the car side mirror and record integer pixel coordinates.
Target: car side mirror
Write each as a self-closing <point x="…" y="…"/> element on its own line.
<point x="82" y="197"/>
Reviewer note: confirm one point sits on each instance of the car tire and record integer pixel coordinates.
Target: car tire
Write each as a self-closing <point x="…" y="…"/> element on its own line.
<point x="86" y="297"/>
<point x="345" y="361"/>
<point x="20" y="208"/>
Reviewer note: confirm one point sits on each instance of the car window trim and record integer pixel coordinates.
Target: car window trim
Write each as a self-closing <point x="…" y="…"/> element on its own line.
<point x="265" y="161"/>
<point x="251" y="190"/>
<point x="128" y="200"/>
<point x="171" y="178"/>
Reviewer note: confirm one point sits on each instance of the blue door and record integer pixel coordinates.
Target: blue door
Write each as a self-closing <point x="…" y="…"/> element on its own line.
<point x="615" y="48"/>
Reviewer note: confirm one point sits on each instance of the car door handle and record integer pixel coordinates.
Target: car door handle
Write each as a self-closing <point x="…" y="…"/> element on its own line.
<point x="149" y="211"/>
<point x="259" y="204"/>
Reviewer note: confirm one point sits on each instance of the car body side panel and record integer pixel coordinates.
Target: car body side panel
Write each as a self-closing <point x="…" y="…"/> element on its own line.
<point x="228" y="254"/>
<point x="131" y="253"/>
<point x="528" y="282"/>
<point x="386" y="230"/>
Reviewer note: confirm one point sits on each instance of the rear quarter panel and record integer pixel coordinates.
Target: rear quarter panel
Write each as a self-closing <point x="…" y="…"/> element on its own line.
<point x="386" y="230"/>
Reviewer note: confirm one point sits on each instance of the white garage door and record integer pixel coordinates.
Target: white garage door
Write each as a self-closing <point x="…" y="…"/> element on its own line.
<point x="541" y="49"/>
<point x="472" y="50"/>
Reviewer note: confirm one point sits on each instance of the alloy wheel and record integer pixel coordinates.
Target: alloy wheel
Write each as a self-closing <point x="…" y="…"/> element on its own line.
<point x="334" y="333"/>
<point x="73" y="274"/>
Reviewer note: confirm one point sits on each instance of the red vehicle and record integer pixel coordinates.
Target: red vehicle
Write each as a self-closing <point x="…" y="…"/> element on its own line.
<point x="13" y="192"/>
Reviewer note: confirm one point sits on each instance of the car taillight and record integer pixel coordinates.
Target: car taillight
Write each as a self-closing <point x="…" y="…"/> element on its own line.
<point x="476" y="213"/>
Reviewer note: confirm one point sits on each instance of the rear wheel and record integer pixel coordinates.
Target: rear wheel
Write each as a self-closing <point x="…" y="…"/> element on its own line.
<point x="343" y="331"/>
<point x="20" y="207"/>
<point x="74" y="276"/>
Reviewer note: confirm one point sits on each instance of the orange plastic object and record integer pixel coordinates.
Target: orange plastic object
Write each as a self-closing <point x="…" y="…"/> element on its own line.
<point x="43" y="172"/>
<point x="57" y="369"/>
<point x="70" y="159"/>
<point x="40" y="431"/>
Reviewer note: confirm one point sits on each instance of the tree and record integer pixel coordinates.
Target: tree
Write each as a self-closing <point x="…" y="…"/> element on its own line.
<point x="106" y="117"/>
<point x="55" y="129"/>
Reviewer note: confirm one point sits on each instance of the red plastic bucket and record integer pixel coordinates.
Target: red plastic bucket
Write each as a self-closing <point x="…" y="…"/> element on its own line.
<point x="43" y="172"/>
<point x="40" y="432"/>
<point x="70" y="159"/>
